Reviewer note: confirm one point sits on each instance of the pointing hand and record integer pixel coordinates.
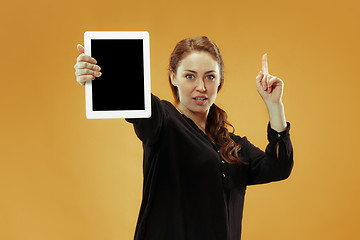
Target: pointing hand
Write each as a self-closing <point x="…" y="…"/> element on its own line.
<point x="269" y="87"/>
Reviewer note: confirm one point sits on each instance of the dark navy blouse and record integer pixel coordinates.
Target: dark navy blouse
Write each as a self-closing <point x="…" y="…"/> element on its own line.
<point x="189" y="191"/>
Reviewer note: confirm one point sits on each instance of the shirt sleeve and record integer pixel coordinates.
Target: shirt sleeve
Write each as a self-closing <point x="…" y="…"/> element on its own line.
<point x="148" y="129"/>
<point x="266" y="166"/>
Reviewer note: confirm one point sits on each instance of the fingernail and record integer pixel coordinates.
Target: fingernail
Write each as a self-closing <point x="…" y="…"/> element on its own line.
<point x="98" y="74"/>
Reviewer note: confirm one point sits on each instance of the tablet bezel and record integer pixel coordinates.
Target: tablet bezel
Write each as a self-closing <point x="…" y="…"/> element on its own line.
<point x="144" y="36"/>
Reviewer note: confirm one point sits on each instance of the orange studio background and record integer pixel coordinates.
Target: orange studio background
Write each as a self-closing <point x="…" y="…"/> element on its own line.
<point x="63" y="176"/>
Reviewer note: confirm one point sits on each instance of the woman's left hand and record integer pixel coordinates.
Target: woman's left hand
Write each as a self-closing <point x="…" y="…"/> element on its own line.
<point x="269" y="87"/>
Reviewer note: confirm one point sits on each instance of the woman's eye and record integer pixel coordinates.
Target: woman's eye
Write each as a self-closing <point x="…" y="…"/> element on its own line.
<point x="210" y="77"/>
<point x="190" y="76"/>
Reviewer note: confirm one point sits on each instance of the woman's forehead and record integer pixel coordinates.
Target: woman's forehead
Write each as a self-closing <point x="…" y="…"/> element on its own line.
<point x="199" y="61"/>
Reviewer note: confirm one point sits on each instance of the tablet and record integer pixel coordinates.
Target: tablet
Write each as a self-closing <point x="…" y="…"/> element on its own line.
<point x="123" y="89"/>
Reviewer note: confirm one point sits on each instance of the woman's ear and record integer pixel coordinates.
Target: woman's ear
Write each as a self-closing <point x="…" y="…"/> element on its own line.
<point x="219" y="86"/>
<point x="172" y="77"/>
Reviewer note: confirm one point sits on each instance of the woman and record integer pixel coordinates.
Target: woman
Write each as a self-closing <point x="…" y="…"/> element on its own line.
<point x="195" y="170"/>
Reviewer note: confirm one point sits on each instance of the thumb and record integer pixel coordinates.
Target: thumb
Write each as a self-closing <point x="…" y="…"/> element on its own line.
<point x="80" y="48"/>
<point x="259" y="77"/>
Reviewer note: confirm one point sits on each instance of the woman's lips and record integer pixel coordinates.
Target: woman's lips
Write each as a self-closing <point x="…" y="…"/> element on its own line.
<point x="200" y="100"/>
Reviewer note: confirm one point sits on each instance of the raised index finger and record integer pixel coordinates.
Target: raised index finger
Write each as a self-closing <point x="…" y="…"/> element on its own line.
<point x="264" y="64"/>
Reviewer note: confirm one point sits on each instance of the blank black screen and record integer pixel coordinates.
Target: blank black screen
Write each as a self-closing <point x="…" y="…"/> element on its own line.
<point x="121" y="85"/>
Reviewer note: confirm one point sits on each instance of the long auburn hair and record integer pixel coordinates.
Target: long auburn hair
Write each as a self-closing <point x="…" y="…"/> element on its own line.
<point x="217" y="124"/>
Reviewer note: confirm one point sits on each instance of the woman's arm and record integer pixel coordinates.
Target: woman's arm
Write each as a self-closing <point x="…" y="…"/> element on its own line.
<point x="273" y="164"/>
<point x="149" y="129"/>
<point x="270" y="89"/>
<point x="277" y="116"/>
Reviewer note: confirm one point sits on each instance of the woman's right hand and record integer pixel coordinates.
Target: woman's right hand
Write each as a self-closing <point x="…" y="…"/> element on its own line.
<point x="85" y="67"/>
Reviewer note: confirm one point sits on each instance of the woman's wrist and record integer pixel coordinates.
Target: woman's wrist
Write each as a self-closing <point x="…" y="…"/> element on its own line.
<point x="277" y="116"/>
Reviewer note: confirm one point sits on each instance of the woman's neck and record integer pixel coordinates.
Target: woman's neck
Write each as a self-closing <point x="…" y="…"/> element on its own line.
<point x="198" y="118"/>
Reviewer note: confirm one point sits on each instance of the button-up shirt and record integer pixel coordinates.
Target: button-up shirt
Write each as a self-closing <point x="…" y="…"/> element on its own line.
<point x="189" y="191"/>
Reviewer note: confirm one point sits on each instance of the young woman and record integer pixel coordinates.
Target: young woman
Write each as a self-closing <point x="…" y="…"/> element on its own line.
<point x="196" y="170"/>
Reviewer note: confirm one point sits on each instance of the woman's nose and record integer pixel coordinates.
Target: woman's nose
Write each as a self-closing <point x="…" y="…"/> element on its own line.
<point x="200" y="86"/>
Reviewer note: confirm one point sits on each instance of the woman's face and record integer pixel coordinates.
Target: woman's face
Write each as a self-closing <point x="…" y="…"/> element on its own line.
<point x="197" y="79"/>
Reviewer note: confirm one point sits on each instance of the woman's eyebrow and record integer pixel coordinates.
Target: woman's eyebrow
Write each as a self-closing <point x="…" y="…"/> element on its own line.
<point x="187" y="70"/>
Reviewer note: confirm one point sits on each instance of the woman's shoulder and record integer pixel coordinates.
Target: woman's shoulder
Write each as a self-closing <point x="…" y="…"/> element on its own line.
<point x="237" y="138"/>
<point x="166" y="106"/>
<point x="163" y="102"/>
<point x="149" y="129"/>
<point x="242" y="141"/>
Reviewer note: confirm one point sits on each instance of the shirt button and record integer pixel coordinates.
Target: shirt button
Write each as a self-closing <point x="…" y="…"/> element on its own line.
<point x="218" y="151"/>
<point x="279" y="135"/>
<point x="224" y="175"/>
<point x="223" y="161"/>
